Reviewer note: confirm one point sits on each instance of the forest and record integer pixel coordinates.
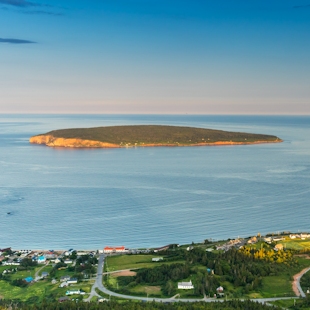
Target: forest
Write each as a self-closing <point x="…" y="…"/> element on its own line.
<point x="225" y="305"/>
<point x="244" y="269"/>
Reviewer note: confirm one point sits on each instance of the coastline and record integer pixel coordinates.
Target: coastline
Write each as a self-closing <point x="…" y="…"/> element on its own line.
<point x="52" y="141"/>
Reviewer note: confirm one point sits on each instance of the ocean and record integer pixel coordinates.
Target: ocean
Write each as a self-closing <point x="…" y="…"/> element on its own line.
<point x="62" y="198"/>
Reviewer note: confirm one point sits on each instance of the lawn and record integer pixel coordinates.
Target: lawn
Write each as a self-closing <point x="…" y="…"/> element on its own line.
<point x="122" y="262"/>
<point x="286" y="303"/>
<point x="38" y="289"/>
<point x="296" y="244"/>
<point x="147" y="290"/>
<point x="281" y="285"/>
<point x="276" y="286"/>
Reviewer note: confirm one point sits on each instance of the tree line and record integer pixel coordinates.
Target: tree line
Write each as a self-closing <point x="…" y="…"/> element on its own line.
<point x="114" y="305"/>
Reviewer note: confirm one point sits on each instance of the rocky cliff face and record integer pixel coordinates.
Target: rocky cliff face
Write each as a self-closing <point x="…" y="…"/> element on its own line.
<point x="62" y="142"/>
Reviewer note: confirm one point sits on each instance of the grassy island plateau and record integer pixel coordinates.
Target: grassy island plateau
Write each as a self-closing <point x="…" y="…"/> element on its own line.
<point x="147" y="135"/>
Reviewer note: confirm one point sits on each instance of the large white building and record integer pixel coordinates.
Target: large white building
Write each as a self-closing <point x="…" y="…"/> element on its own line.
<point x="185" y="285"/>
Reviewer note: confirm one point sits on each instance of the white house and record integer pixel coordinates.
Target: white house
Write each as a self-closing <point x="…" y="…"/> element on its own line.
<point x="64" y="278"/>
<point x="63" y="284"/>
<point x="75" y="292"/>
<point x="72" y="281"/>
<point x="185" y="285"/>
<point x="220" y="289"/>
<point x="157" y="259"/>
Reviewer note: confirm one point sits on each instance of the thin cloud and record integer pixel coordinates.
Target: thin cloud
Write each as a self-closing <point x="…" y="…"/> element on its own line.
<point x="301" y="6"/>
<point x="18" y="3"/>
<point x="28" y="7"/>
<point x="44" y="13"/>
<point x="16" y="41"/>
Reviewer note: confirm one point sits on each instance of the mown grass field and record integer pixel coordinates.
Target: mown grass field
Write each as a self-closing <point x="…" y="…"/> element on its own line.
<point x="296" y="244"/>
<point x="121" y="262"/>
<point x="276" y="286"/>
<point x="281" y="285"/>
<point x="286" y="303"/>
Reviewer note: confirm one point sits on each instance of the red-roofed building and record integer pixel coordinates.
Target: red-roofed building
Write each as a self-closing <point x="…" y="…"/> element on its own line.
<point x="119" y="249"/>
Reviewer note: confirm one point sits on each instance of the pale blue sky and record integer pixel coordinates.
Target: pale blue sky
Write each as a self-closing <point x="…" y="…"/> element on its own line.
<point x="155" y="56"/>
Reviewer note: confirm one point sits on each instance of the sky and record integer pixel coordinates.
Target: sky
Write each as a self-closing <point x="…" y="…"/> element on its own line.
<point x="155" y="56"/>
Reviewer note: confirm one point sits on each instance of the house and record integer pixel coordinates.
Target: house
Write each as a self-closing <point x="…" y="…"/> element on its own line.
<point x="41" y="259"/>
<point x="44" y="274"/>
<point x="63" y="284"/>
<point x="68" y="261"/>
<point x="28" y="279"/>
<point x="278" y="247"/>
<point x="220" y="289"/>
<point x="275" y="239"/>
<point x="72" y="281"/>
<point x="74" y="292"/>
<point x="185" y="285"/>
<point x="5" y="250"/>
<point x="268" y="239"/>
<point x="64" y="278"/>
<point x="11" y="263"/>
<point x="304" y="236"/>
<point x="157" y="259"/>
<point x="81" y="253"/>
<point x="252" y="240"/>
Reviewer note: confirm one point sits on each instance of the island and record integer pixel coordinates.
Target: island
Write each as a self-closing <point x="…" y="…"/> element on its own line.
<point x="146" y="136"/>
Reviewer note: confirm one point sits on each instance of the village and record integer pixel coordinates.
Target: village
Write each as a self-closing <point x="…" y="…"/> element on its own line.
<point x="73" y="272"/>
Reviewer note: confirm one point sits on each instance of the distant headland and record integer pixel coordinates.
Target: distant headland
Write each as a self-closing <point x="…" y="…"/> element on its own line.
<point x="146" y="135"/>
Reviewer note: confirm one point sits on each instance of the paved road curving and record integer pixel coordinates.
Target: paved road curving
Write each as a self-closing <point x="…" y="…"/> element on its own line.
<point x="98" y="284"/>
<point x="296" y="282"/>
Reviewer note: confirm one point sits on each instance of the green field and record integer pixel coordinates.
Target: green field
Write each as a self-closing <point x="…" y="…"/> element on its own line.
<point x="296" y="244"/>
<point x="276" y="286"/>
<point x="121" y="262"/>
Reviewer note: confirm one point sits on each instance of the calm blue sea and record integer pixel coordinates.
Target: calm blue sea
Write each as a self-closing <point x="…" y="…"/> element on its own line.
<point x="143" y="197"/>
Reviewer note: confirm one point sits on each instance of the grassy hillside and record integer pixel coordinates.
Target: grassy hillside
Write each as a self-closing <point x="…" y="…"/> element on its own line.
<point x="156" y="134"/>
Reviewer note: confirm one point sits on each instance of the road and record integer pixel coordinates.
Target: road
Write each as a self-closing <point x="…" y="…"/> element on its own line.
<point x="296" y="284"/>
<point x="98" y="284"/>
<point x="36" y="276"/>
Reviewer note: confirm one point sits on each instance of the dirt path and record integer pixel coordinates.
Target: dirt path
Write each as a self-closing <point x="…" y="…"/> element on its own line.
<point x="124" y="273"/>
<point x="37" y="272"/>
<point x="296" y="284"/>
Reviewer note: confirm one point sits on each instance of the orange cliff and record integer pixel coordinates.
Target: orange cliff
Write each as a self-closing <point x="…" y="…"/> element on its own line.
<point x="52" y="141"/>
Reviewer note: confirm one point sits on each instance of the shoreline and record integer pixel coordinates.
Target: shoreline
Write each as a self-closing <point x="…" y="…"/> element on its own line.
<point x="52" y="141"/>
